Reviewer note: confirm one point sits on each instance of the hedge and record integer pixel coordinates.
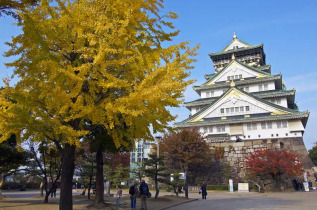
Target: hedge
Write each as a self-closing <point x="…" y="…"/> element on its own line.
<point x="218" y="187"/>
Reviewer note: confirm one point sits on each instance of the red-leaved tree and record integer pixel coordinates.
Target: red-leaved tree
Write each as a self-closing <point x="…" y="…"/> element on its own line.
<point x="273" y="162"/>
<point x="185" y="151"/>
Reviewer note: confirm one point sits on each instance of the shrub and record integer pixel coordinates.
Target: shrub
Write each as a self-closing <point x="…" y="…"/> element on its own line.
<point x="218" y="187"/>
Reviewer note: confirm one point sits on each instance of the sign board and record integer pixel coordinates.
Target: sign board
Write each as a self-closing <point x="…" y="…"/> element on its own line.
<point x="230" y="185"/>
<point x="306" y="186"/>
<point x="243" y="187"/>
<point x="305" y="176"/>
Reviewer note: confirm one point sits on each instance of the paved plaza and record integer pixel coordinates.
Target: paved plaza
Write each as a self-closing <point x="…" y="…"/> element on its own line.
<point x="215" y="200"/>
<point x="226" y="200"/>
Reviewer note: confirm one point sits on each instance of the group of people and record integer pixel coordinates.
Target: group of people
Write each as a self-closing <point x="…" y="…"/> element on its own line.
<point x="141" y="192"/>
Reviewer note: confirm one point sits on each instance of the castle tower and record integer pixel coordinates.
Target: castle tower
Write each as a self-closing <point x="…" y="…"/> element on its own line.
<point x="244" y="107"/>
<point x="242" y="99"/>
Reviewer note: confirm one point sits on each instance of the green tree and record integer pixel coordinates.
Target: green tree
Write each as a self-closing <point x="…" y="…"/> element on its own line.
<point x="313" y="155"/>
<point x="156" y="170"/>
<point x="176" y="182"/>
<point x="87" y="63"/>
<point x="10" y="159"/>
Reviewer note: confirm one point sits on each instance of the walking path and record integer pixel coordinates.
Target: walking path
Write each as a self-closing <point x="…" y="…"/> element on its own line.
<point x="215" y="200"/>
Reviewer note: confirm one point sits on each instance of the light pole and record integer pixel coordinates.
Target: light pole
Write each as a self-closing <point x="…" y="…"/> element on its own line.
<point x="158" y="138"/>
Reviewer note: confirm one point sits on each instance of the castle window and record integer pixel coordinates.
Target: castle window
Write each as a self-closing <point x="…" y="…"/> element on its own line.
<point x="236" y="76"/>
<point x="260" y="87"/>
<point x="241" y="109"/>
<point x="259" y="136"/>
<point x="240" y="76"/>
<point x="247" y="108"/>
<point x="265" y="87"/>
<point x="246" y="89"/>
<point x="207" y="94"/>
<point x="284" y="124"/>
<point x="227" y="110"/>
<point x="205" y="129"/>
<point x="272" y="135"/>
<point x="263" y="125"/>
<point x="251" y="126"/>
<point x="212" y="93"/>
<point x="278" y="101"/>
<point x="276" y="134"/>
<point x="222" y="110"/>
<point x="269" y="125"/>
<point x="210" y="129"/>
<point x="279" y="124"/>
<point x="236" y="109"/>
<point x="286" y="134"/>
<point x="221" y="128"/>
<point x="228" y="77"/>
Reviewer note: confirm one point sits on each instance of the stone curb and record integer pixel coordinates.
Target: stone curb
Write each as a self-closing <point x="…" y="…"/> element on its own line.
<point x="176" y="204"/>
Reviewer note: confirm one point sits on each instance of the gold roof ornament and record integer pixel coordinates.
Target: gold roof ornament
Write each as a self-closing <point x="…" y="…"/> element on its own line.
<point x="232" y="84"/>
<point x="233" y="56"/>
<point x="234" y="35"/>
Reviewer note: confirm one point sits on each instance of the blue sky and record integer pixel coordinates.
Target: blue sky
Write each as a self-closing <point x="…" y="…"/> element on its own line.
<point x="288" y="30"/>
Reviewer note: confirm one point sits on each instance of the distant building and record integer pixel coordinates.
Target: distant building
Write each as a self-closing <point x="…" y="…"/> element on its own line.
<point x="140" y="153"/>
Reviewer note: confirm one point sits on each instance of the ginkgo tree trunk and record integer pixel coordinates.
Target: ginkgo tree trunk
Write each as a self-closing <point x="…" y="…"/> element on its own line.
<point x="86" y="63"/>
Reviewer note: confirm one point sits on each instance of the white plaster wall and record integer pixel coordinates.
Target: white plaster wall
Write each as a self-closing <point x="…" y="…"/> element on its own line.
<point x="283" y="101"/>
<point x="232" y="71"/>
<point x="235" y="43"/>
<point x="267" y="133"/>
<point x="255" y="87"/>
<point x="214" y="130"/>
<point x="252" y="88"/>
<point x="229" y="103"/>
<point x="217" y="93"/>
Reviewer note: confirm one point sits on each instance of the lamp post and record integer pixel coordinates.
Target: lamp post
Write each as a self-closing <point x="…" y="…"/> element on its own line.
<point x="158" y="138"/>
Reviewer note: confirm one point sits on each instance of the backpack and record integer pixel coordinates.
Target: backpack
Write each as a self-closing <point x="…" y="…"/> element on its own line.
<point x="145" y="189"/>
<point x="131" y="190"/>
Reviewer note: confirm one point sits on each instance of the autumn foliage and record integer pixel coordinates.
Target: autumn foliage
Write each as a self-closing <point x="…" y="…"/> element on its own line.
<point x="274" y="162"/>
<point x="185" y="150"/>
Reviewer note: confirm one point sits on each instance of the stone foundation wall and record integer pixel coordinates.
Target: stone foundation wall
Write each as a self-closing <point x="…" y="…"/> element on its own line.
<point x="234" y="153"/>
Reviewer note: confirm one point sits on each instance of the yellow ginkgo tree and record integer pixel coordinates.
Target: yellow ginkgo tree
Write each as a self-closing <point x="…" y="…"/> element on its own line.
<point x="86" y="63"/>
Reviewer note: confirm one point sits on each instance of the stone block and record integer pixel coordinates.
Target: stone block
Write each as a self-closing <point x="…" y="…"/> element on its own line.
<point x="226" y="149"/>
<point x="225" y="154"/>
<point x="257" y="142"/>
<point x="239" y="144"/>
<point x="248" y="143"/>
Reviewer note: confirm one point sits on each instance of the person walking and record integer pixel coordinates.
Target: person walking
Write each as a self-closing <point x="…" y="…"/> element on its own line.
<point x="53" y="193"/>
<point x="204" y="191"/>
<point x="134" y="192"/>
<point x="119" y="192"/>
<point x="144" y="192"/>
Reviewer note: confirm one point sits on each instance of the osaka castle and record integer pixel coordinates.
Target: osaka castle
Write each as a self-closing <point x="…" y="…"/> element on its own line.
<point x="243" y="99"/>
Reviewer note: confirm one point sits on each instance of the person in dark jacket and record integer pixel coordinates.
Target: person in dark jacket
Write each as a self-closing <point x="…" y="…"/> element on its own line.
<point x="144" y="192"/>
<point x="204" y="191"/>
<point x="134" y="193"/>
